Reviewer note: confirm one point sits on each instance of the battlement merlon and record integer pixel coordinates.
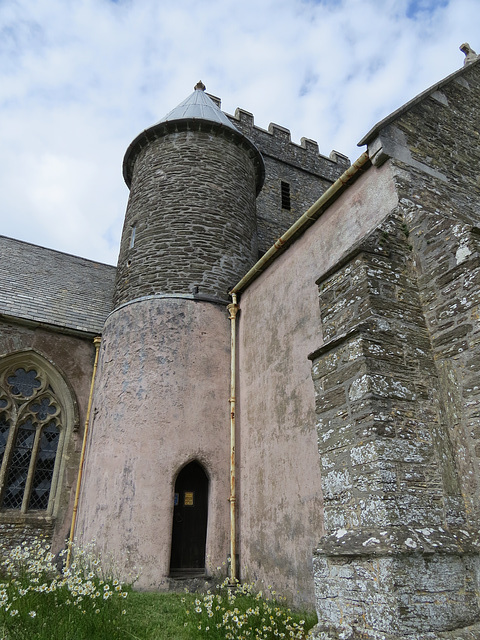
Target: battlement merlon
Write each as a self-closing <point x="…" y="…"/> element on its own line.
<point x="276" y="142"/>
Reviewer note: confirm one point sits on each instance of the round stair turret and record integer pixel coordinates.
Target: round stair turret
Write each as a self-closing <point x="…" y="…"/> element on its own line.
<point x="190" y="225"/>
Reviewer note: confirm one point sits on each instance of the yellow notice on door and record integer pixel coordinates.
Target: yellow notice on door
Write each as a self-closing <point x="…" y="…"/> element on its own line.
<point x="188" y="500"/>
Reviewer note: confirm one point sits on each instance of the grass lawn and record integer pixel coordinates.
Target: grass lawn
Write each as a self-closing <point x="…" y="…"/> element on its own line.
<point x="155" y="616"/>
<point x="162" y="616"/>
<point x="83" y="602"/>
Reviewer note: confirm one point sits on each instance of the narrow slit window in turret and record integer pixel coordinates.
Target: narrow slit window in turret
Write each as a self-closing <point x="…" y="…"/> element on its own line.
<point x="285" y="188"/>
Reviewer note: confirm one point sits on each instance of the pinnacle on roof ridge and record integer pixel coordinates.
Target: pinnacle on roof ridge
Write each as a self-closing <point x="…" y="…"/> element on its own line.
<point x="470" y="54"/>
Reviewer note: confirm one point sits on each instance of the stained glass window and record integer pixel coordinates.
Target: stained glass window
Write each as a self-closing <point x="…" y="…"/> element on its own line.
<point x="42" y="478"/>
<point x="18" y="466"/>
<point x="30" y="430"/>
<point x="24" y="383"/>
<point x="4" y="426"/>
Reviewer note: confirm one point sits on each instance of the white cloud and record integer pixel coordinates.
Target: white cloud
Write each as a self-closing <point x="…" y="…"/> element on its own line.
<point x="79" y="80"/>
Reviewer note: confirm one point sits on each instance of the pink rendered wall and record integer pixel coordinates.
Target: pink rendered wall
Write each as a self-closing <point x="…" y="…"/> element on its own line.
<point x="73" y="357"/>
<point x="161" y="402"/>
<point x="280" y="500"/>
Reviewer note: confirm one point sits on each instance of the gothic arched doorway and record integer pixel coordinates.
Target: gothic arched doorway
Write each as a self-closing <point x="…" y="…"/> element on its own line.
<point x="190" y="515"/>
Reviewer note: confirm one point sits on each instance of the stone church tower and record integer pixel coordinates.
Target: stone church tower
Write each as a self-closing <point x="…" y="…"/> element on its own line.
<point x="163" y="378"/>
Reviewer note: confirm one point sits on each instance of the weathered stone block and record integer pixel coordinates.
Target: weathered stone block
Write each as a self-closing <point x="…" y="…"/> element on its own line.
<point x="394" y="596"/>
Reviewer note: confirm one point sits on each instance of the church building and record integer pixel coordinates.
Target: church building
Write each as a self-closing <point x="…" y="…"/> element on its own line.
<point x="280" y="377"/>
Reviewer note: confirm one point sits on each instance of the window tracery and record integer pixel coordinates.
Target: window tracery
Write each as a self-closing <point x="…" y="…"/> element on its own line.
<point x="31" y="430"/>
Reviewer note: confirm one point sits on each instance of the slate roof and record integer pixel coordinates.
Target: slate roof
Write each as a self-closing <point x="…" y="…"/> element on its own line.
<point x="54" y="288"/>
<point x="198" y="106"/>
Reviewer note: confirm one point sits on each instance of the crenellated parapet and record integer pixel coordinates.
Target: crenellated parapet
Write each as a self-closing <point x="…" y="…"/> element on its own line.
<point x="296" y="175"/>
<point x="277" y="142"/>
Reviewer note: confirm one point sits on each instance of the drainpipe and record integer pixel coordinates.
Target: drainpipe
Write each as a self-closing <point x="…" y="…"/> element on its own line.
<point x="312" y="213"/>
<point x="96" y="342"/>
<point x="233" y="308"/>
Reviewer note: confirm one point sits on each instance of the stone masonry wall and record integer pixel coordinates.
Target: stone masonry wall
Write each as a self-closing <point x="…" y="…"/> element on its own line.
<point x="307" y="172"/>
<point x="440" y="196"/>
<point x="73" y="357"/>
<point x="13" y="534"/>
<point x="192" y="203"/>
<point x="385" y="367"/>
<point x="305" y="189"/>
<point x="394" y="535"/>
<point x="398" y="395"/>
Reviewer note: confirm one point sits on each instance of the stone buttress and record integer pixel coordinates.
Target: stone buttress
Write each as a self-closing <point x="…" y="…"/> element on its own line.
<point x="396" y="384"/>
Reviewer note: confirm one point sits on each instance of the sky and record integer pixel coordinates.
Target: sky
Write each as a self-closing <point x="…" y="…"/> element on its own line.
<point x="79" y="80"/>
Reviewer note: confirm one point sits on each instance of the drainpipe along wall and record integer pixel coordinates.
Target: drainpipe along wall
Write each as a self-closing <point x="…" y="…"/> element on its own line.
<point x="96" y="342"/>
<point x="314" y="212"/>
<point x="233" y="308"/>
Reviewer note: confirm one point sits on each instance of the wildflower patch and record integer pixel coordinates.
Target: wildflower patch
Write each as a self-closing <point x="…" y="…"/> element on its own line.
<point x="38" y="600"/>
<point x="241" y="613"/>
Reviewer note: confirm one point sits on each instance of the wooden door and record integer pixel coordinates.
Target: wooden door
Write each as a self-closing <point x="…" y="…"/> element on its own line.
<point x="190" y="515"/>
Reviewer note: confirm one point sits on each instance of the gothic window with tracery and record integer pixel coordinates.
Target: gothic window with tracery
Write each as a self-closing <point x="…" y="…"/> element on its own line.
<point x="31" y="427"/>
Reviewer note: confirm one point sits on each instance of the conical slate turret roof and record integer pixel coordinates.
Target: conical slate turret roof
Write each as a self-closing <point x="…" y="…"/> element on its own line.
<point x="198" y="112"/>
<point x="198" y="106"/>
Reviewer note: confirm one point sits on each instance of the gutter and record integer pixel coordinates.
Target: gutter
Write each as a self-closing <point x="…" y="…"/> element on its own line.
<point x="304" y="221"/>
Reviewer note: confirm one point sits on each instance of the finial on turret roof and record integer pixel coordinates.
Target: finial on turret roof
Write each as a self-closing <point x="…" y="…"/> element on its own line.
<point x="470" y="54"/>
<point x="200" y="86"/>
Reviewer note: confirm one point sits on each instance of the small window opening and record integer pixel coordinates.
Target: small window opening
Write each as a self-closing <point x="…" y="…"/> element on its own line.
<point x="132" y="236"/>
<point x="285" y="188"/>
